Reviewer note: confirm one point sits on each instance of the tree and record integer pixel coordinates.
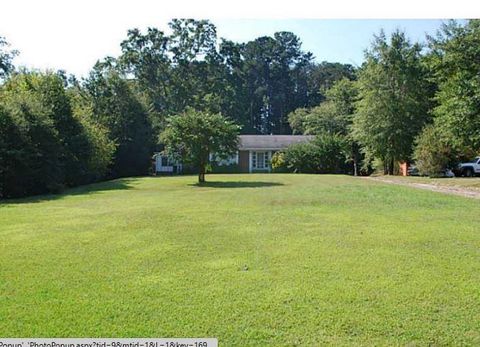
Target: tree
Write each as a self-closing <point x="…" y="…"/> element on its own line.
<point x="118" y="109"/>
<point x="455" y="61"/>
<point x="257" y="84"/>
<point x="275" y="77"/>
<point x="102" y="147"/>
<point x="298" y="120"/>
<point x="393" y="101"/>
<point x="44" y="146"/>
<point x="322" y="77"/>
<point x="175" y="71"/>
<point x="6" y="58"/>
<point x="334" y="116"/>
<point x="193" y="136"/>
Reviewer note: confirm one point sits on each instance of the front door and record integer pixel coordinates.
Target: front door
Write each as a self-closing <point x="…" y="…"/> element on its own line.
<point x="260" y="160"/>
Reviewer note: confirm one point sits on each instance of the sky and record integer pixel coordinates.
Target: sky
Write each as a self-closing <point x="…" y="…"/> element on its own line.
<point x="73" y="35"/>
<point x="341" y="40"/>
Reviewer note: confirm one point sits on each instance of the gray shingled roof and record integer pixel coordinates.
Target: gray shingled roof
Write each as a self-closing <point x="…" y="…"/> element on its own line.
<point x="271" y="142"/>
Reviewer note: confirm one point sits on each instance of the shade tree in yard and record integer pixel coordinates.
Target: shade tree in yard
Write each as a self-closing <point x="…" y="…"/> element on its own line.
<point x="192" y="136"/>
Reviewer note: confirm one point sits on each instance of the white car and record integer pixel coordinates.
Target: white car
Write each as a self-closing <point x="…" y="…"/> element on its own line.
<point x="469" y="169"/>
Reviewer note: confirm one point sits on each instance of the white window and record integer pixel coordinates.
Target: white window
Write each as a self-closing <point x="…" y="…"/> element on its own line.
<point x="260" y="160"/>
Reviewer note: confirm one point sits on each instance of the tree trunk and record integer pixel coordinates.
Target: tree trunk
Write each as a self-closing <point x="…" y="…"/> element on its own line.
<point x="391" y="166"/>
<point x="201" y="174"/>
<point x="355" y="160"/>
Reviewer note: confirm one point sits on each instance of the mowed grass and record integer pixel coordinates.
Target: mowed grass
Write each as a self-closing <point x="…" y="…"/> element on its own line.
<point x="254" y="260"/>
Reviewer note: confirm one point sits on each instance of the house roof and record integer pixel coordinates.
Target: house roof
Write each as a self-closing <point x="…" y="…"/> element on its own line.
<point x="271" y="142"/>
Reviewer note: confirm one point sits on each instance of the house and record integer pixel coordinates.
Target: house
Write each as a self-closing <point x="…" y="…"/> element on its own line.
<point x="254" y="155"/>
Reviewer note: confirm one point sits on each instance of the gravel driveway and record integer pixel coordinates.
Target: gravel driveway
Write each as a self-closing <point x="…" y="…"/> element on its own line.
<point x="455" y="190"/>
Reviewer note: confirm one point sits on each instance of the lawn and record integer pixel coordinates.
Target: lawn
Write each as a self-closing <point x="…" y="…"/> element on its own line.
<point x="254" y="260"/>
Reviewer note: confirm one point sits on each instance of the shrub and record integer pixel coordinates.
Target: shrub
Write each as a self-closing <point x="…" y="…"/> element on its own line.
<point x="278" y="162"/>
<point x="325" y="154"/>
<point x="432" y="152"/>
<point x="231" y="168"/>
<point x="30" y="149"/>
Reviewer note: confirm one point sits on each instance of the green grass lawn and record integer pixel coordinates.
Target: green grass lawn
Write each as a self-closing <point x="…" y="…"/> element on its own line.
<point x="253" y="260"/>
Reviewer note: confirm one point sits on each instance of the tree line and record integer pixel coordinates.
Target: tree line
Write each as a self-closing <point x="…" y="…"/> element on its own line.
<point x="406" y="102"/>
<point x="59" y="131"/>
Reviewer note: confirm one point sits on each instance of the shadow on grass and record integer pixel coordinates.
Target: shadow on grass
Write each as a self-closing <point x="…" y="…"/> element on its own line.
<point x="117" y="184"/>
<point x="236" y="184"/>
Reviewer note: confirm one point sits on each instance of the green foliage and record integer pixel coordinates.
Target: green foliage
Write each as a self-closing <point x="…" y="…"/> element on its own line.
<point x="275" y="75"/>
<point x="298" y="120"/>
<point x="231" y="168"/>
<point x="267" y="85"/>
<point x="393" y="101"/>
<point x="256" y="84"/>
<point x="278" y="162"/>
<point x="118" y="109"/>
<point x="455" y="62"/>
<point x="433" y="153"/>
<point x="44" y="146"/>
<point x="6" y="58"/>
<point x="102" y="148"/>
<point x="323" y="76"/>
<point x="333" y="116"/>
<point x="326" y="119"/>
<point x="175" y="71"/>
<point x="193" y="136"/>
<point x="30" y="149"/>
<point x="325" y="154"/>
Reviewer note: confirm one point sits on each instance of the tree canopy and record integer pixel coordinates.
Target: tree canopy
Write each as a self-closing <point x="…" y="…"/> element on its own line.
<point x="455" y="63"/>
<point x="193" y="136"/>
<point x="393" y="101"/>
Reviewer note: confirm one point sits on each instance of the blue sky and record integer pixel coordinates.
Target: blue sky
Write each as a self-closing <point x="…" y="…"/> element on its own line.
<point x="331" y="40"/>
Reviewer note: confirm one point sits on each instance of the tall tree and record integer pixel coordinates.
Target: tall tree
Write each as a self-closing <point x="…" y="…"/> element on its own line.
<point x="175" y="71"/>
<point x="455" y="61"/>
<point x="117" y="108"/>
<point x="394" y="100"/>
<point x="257" y="84"/>
<point x="321" y="77"/>
<point x="275" y="77"/>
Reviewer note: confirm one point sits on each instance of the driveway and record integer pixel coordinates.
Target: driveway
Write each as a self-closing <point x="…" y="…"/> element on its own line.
<point x="473" y="193"/>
